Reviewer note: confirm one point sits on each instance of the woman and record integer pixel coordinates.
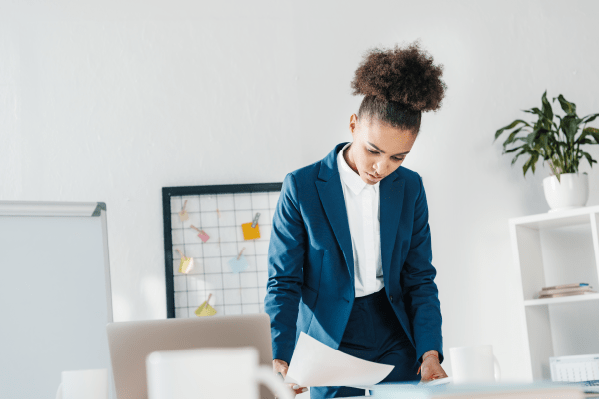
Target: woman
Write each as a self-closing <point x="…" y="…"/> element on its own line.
<point x="350" y="250"/>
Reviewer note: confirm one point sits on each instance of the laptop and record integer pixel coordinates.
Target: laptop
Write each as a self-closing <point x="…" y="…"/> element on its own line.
<point x="131" y="342"/>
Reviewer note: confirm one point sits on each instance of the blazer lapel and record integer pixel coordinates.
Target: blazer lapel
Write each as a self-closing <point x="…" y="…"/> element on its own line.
<point x="391" y="201"/>
<point x="331" y="196"/>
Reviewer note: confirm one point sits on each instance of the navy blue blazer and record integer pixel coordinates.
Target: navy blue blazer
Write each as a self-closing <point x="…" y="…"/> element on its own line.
<point x="311" y="267"/>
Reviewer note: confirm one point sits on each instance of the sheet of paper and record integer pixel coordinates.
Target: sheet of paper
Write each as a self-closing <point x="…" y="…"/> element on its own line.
<point x="314" y="364"/>
<point x="203" y="236"/>
<point x="238" y="265"/>
<point x="186" y="265"/>
<point x="205" y="310"/>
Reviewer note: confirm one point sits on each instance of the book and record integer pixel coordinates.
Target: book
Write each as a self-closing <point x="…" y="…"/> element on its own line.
<point x="575" y="285"/>
<point x="566" y="294"/>
<point x="565" y="290"/>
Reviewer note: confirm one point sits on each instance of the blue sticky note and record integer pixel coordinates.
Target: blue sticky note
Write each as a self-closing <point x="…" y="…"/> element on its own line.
<point x="238" y="265"/>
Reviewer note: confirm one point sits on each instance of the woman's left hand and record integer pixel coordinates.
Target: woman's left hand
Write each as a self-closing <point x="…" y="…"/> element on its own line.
<point x="431" y="369"/>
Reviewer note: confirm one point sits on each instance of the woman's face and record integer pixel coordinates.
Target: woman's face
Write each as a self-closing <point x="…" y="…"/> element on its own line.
<point x="378" y="149"/>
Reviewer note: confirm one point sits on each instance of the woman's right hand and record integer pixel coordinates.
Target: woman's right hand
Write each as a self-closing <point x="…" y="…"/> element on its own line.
<point x="281" y="366"/>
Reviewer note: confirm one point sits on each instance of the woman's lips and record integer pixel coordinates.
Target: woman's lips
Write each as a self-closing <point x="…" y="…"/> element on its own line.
<point x="372" y="178"/>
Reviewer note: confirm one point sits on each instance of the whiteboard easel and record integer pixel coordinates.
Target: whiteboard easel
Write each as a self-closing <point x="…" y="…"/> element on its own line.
<point x="55" y="293"/>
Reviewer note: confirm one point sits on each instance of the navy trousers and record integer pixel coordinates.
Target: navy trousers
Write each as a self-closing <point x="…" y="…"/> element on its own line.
<point x="373" y="333"/>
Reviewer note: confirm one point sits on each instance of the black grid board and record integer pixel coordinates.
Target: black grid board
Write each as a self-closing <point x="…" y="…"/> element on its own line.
<point x="185" y="292"/>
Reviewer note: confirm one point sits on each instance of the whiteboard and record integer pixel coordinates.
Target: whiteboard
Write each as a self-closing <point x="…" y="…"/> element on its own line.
<point x="55" y="294"/>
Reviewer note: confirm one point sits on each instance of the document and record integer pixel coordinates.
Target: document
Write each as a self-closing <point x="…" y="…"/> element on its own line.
<point x="314" y="364"/>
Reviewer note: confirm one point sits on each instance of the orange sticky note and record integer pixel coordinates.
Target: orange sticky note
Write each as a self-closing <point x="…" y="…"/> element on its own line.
<point x="250" y="233"/>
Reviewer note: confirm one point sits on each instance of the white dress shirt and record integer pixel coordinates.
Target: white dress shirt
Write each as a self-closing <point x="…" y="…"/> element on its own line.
<point x="362" y="205"/>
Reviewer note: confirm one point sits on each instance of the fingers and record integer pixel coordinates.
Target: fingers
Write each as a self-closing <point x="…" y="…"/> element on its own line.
<point x="297" y="389"/>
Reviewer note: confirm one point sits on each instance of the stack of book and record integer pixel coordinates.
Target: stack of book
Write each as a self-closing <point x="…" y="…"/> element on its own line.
<point x="566" y="290"/>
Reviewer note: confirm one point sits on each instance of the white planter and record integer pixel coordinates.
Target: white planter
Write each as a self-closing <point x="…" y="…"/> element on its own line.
<point x="572" y="192"/>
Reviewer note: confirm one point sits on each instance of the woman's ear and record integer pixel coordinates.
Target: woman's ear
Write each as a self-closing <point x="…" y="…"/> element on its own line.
<point x="353" y="125"/>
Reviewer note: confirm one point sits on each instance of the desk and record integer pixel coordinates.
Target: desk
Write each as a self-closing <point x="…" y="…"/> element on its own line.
<point x="535" y="390"/>
<point x="587" y="396"/>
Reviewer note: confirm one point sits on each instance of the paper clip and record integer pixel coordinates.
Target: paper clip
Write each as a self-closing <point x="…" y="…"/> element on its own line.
<point x="255" y="221"/>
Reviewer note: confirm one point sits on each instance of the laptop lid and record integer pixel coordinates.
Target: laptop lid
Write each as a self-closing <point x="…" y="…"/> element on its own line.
<point x="131" y="342"/>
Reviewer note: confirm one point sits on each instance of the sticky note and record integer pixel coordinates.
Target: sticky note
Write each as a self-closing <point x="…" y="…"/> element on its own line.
<point x="203" y="236"/>
<point x="205" y="310"/>
<point x="183" y="215"/>
<point x="249" y="233"/>
<point x="238" y="265"/>
<point x="186" y="265"/>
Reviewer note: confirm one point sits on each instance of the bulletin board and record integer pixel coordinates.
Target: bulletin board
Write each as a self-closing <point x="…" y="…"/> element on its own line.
<point x="212" y="227"/>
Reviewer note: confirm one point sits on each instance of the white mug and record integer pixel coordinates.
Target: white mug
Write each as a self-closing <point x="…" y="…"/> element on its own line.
<point x="210" y="373"/>
<point x="474" y="364"/>
<point x="83" y="384"/>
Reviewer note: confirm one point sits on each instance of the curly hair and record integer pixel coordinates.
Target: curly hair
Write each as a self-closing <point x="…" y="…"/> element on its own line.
<point x="398" y="84"/>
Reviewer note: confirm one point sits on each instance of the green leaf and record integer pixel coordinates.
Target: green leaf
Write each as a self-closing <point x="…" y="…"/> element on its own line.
<point x="512" y="135"/>
<point x="517" y="156"/>
<point x="534" y="161"/>
<point x="511" y="150"/>
<point x="568" y="107"/>
<point x="547" y="110"/>
<point x="593" y="132"/>
<point x="569" y="126"/>
<point x="526" y="165"/>
<point x="591" y="118"/>
<point x="535" y="111"/>
<point x="589" y="158"/>
<point x="510" y="126"/>
<point x="584" y="141"/>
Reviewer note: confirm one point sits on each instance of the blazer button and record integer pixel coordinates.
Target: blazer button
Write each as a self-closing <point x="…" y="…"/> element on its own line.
<point x="391" y="298"/>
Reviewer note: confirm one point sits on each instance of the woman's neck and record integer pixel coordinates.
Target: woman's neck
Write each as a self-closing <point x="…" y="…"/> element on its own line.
<point x="349" y="158"/>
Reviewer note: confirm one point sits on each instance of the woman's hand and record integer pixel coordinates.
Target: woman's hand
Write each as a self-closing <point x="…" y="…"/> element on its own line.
<point x="431" y="369"/>
<point x="281" y="366"/>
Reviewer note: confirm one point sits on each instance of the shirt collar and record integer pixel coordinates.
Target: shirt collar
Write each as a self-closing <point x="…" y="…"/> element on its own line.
<point x="349" y="177"/>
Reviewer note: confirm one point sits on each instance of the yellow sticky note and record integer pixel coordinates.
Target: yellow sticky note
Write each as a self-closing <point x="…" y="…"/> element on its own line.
<point x="186" y="265"/>
<point x="250" y="233"/>
<point x="205" y="310"/>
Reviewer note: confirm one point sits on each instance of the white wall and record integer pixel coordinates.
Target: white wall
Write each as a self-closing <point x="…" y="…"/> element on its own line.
<point x="105" y="101"/>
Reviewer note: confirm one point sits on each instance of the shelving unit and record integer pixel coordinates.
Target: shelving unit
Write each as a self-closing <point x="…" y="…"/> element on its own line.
<point x="549" y="249"/>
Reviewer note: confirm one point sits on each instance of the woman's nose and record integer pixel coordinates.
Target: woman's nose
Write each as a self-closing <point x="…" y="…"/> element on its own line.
<point x="379" y="169"/>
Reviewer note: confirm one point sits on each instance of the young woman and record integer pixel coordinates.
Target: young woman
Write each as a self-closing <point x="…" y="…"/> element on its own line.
<point x="349" y="261"/>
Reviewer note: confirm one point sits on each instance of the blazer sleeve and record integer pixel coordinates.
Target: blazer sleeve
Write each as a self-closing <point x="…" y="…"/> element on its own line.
<point x="285" y="270"/>
<point x="420" y="293"/>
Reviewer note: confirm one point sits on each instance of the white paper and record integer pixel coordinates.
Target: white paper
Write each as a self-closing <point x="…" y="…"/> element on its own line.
<point x="314" y="364"/>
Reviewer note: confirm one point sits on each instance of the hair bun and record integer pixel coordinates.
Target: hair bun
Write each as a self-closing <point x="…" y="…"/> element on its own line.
<point x="403" y="75"/>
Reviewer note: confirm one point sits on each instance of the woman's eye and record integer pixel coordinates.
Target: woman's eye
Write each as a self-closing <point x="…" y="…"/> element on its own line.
<point x="398" y="159"/>
<point x="372" y="152"/>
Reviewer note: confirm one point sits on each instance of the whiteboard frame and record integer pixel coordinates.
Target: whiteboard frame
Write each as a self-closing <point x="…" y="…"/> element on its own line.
<point x="167" y="193"/>
<point x="45" y="208"/>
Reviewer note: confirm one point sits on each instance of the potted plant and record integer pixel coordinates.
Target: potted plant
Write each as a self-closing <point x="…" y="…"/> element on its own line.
<point x="558" y="145"/>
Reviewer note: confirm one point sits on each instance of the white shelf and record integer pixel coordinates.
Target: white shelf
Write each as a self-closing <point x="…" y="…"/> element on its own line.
<point x="561" y="299"/>
<point x="556" y="248"/>
<point x="550" y="220"/>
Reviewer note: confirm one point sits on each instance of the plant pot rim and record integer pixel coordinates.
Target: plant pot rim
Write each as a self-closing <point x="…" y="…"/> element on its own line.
<point x="562" y="174"/>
